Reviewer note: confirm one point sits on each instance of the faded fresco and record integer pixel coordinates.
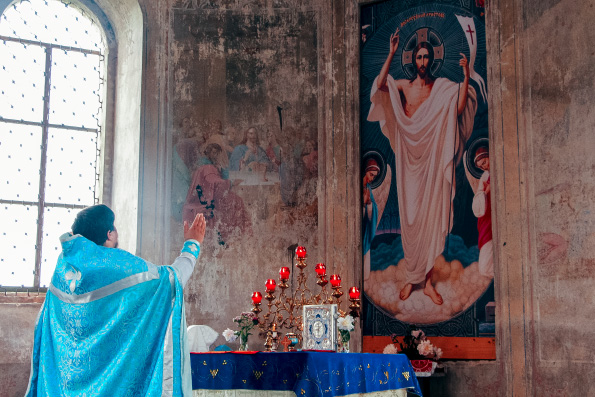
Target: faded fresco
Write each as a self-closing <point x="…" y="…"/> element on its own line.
<point x="244" y="130"/>
<point x="427" y="231"/>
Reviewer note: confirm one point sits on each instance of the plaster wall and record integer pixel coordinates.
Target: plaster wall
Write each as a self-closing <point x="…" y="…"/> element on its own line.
<point x="542" y="93"/>
<point x="19" y="315"/>
<point x="559" y="122"/>
<point x="541" y="84"/>
<point x="237" y="65"/>
<point x="127" y="20"/>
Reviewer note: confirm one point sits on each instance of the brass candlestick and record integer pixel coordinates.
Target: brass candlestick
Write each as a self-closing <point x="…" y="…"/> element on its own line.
<point x="285" y="311"/>
<point x="287" y="307"/>
<point x="256" y="299"/>
<point x="354" y="307"/>
<point x="323" y="296"/>
<point x="268" y="318"/>
<point x="337" y="294"/>
<point x="268" y="344"/>
<point x="354" y="298"/>
<point x="275" y="336"/>
<point x="256" y="309"/>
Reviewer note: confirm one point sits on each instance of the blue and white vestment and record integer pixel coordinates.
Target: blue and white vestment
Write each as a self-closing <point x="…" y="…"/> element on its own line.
<point x="112" y="324"/>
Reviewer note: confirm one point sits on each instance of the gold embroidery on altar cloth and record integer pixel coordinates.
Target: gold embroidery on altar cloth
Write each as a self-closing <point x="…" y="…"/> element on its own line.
<point x="406" y="375"/>
<point x="258" y="374"/>
<point x="214" y="372"/>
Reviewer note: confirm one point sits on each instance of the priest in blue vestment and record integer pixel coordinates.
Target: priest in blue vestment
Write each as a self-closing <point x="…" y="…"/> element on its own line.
<point x="113" y="324"/>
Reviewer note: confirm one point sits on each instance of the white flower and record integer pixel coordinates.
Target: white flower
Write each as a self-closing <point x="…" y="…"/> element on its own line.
<point x="437" y="353"/>
<point x="425" y="348"/>
<point x="390" y="349"/>
<point x="229" y="335"/>
<point x="346" y="323"/>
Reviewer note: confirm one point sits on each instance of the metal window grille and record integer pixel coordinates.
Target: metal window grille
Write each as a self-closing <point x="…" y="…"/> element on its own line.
<point x="51" y="89"/>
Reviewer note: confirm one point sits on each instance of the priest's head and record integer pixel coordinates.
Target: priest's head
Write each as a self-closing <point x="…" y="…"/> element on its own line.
<point x="96" y="223"/>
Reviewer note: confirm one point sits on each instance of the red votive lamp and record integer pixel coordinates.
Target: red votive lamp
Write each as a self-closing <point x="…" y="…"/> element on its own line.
<point x="320" y="269"/>
<point x="270" y="285"/>
<point x="300" y="252"/>
<point x="284" y="273"/>
<point x="354" y="293"/>
<point x="256" y="297"/>
<point x="335" y="280"/>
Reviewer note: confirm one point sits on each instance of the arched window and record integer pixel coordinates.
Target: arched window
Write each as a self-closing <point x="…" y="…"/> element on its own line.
<point x="52" y="89"/>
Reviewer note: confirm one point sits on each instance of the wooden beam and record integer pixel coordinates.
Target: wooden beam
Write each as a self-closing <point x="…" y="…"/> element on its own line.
<point x="452" y="347"/>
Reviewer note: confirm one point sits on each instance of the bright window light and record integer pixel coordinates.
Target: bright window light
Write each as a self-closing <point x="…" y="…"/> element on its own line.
<point x="51" y="86"/>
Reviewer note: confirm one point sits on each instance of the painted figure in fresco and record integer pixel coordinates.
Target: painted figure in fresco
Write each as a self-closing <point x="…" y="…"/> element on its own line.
<point x="427" y="121"/>
<point x="273" y="149"/>
<point x="249" y="155"/>
<point x="482" y="209"/>
<point x="215" y="135"/>
<point x="210" y="194"/>
<point x="188" y="145"/>
<point x="185" y="153"/>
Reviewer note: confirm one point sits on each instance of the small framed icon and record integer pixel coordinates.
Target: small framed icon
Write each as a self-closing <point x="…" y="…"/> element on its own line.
<point x="320" y="327"/>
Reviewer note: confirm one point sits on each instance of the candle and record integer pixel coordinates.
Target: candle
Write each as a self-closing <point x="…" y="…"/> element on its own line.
<point x="320" y="269"/>
<point x="300" y="252"/>
<point x="256" y="297"/>
<point x="284" y="273"/>
<point x="335" y="280"/>
<point x="354" y="293"/>
<point x="270" y="285"/>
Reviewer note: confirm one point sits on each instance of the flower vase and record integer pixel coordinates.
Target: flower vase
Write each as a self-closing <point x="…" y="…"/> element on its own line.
<point x="345" y="347"/>
<point x="343" y="342"/>
<point x="243" y="342"/>
<point x="423" y="367"/>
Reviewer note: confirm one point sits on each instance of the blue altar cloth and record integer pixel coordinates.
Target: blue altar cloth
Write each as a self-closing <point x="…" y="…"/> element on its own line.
<point x="308" y="374"/>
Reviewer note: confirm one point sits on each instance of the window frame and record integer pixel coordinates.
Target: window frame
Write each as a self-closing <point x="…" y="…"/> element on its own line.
<point x="105" y="142"/>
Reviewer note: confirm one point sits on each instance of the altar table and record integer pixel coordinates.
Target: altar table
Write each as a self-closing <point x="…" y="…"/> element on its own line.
<point x="309" y="374"/>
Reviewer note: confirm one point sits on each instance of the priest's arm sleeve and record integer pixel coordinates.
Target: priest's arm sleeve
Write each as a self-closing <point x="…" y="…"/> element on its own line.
<point x="184" y="264"/>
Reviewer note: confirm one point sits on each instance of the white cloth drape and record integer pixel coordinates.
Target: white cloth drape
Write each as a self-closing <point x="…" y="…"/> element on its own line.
<point x="200" y="338"/>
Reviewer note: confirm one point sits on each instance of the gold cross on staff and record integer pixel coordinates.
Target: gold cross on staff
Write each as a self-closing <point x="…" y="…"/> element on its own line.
<point x="285" y="342"/>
